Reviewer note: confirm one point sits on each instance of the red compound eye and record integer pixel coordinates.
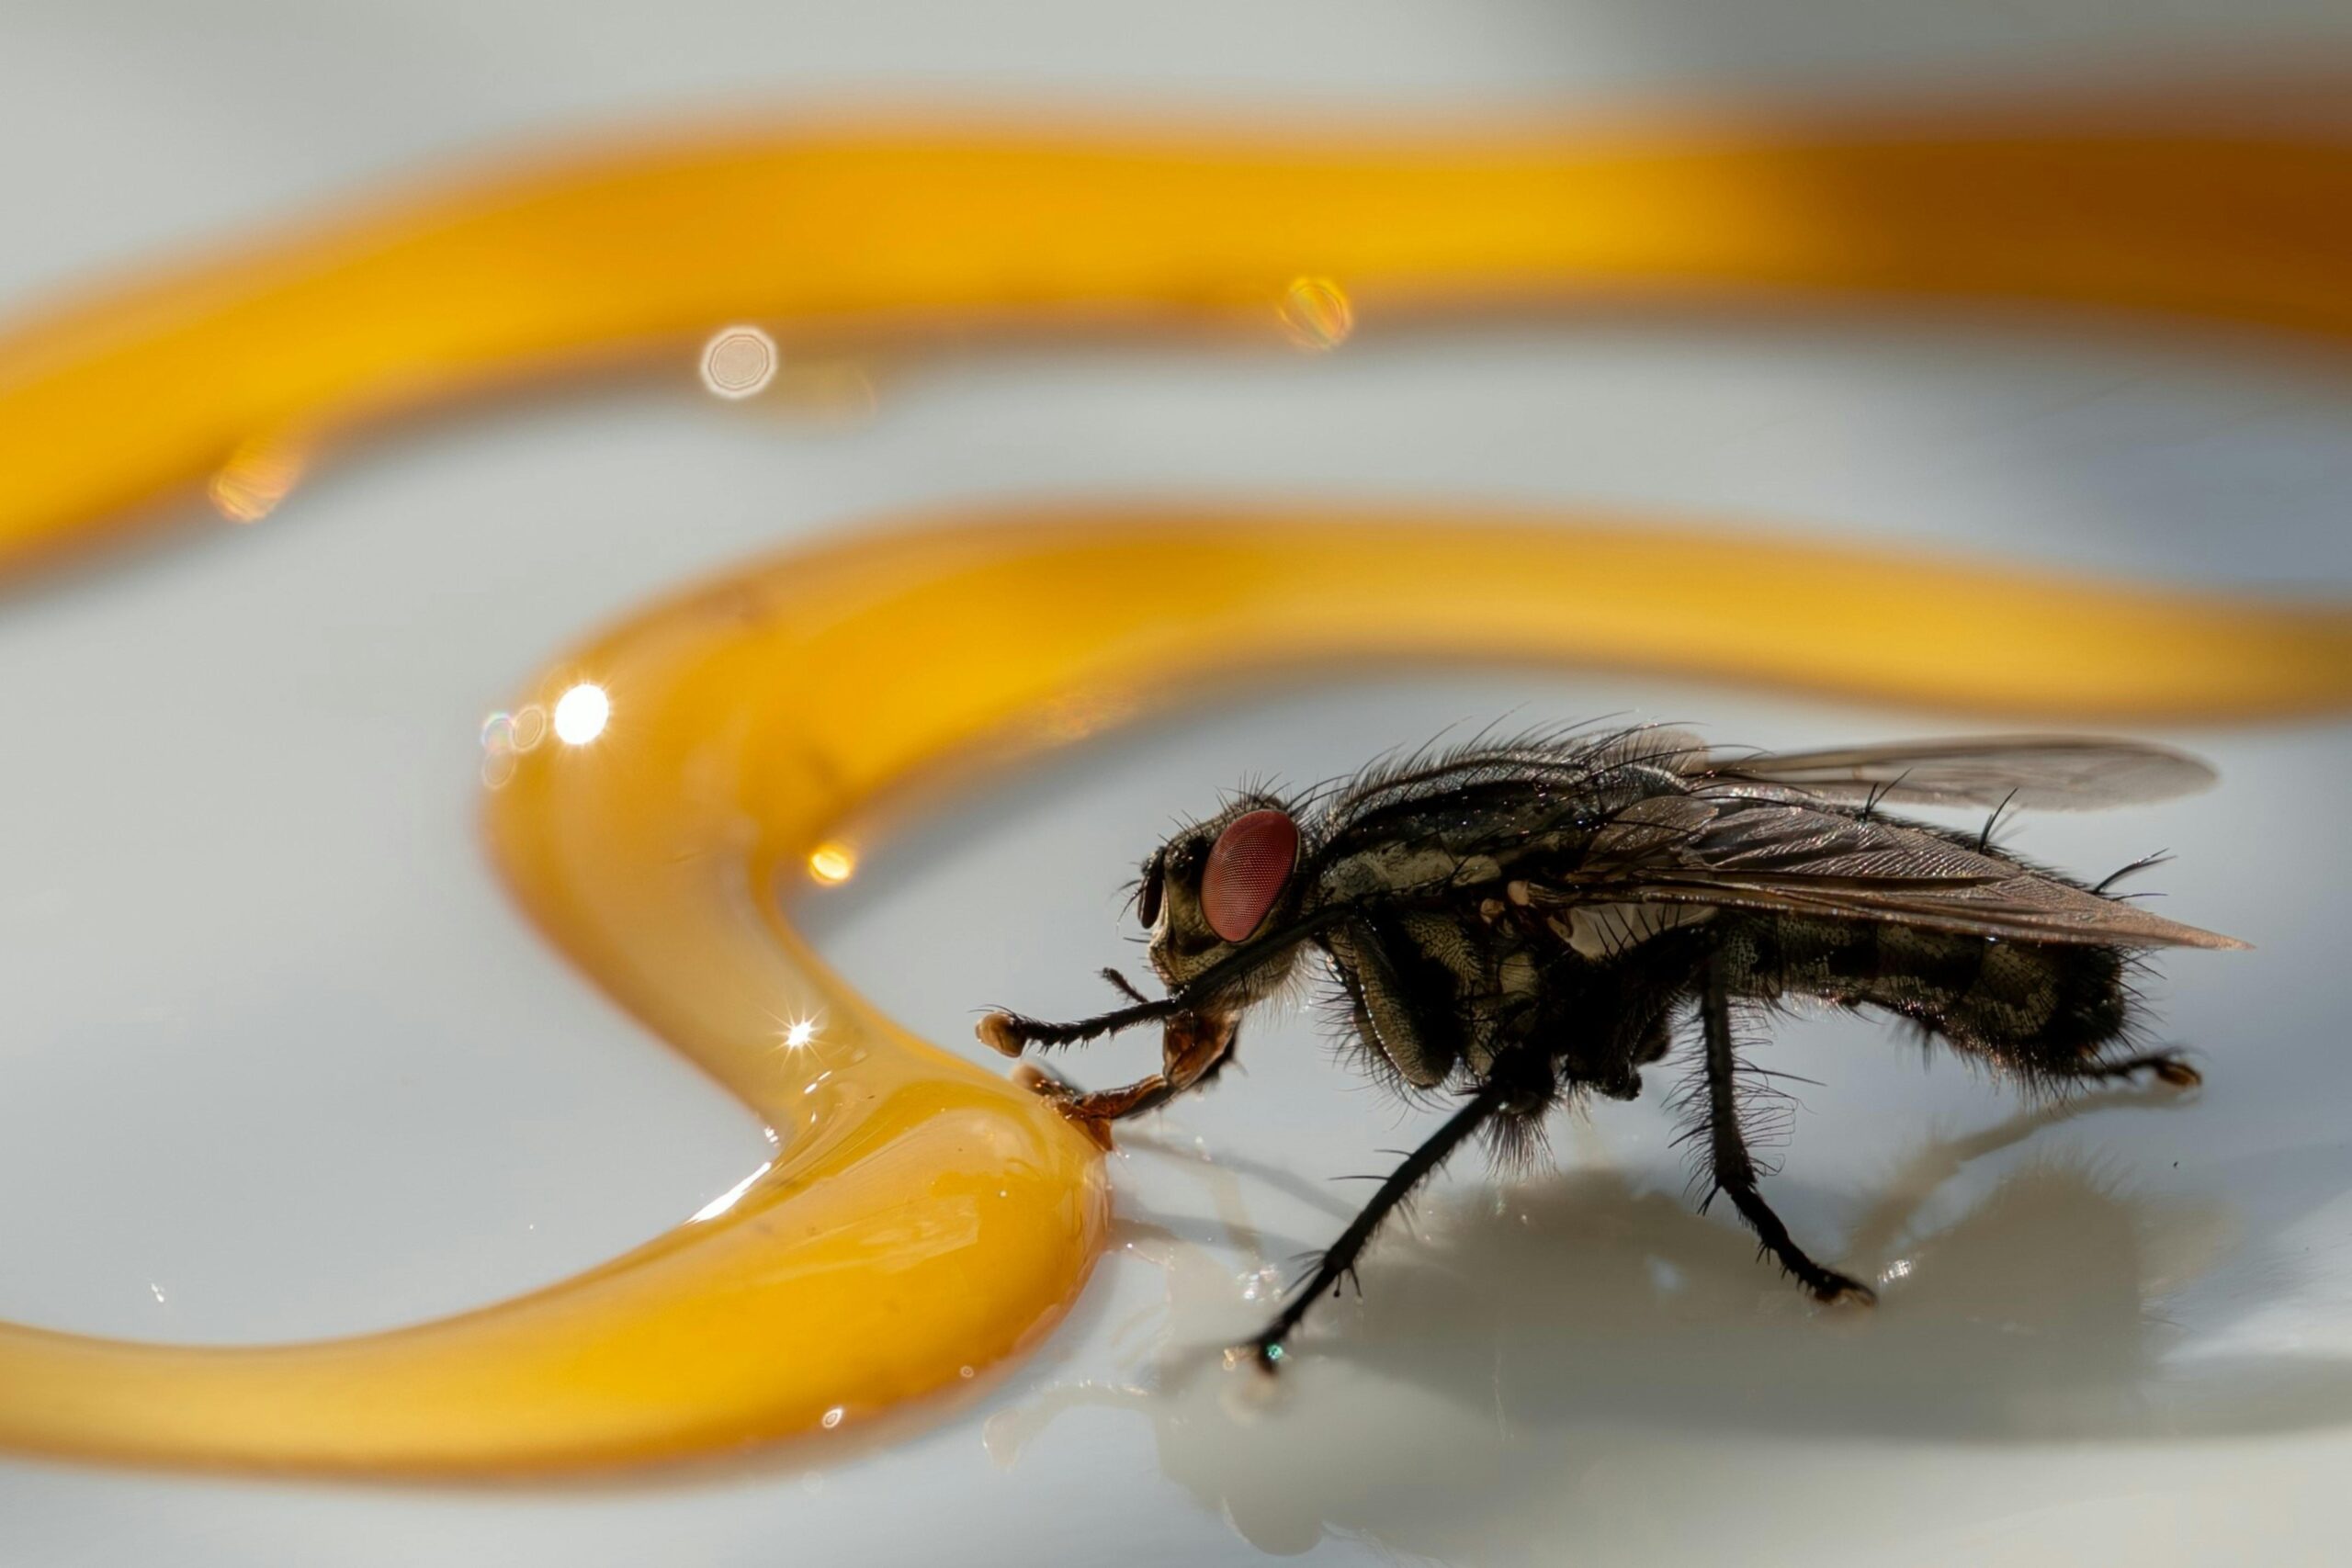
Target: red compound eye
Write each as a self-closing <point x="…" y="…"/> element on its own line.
<point x="1252" y="859"/>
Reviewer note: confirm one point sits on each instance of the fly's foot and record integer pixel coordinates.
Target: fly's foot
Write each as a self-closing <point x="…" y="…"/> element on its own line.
<point x="1001" y="1032"/>
<point x="1096" y="1128"/>
<point x="1042" y="1081"/>
<point x="1829" y="1286"/>
<point x="2165" y="1066"/>
<point x="1265" y="1353"/>
<point x="1065" y="1099"/>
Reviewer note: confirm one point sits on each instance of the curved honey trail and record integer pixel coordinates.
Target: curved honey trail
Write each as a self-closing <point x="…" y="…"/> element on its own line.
<point x="849" y="229"/>
<point x="922" y="1218"/>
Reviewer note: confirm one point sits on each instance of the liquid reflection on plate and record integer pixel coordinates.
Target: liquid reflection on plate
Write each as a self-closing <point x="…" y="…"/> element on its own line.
<point x="1555" y="1333"/>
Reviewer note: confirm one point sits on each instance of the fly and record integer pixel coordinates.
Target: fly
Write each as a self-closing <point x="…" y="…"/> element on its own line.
<point x="1510" y="926"/>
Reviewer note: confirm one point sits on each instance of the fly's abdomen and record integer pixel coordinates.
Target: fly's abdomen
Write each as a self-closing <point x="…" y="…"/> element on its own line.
<point x="2027" y="1003"/>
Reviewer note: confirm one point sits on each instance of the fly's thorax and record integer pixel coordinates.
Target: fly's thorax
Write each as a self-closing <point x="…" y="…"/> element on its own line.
<point x="1460" y="840"/>
<point x="1403" y="867"/>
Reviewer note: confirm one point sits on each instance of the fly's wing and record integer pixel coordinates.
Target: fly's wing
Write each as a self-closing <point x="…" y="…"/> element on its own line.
<point x="2060" y="772"/>
<point x="1763" y="853"/>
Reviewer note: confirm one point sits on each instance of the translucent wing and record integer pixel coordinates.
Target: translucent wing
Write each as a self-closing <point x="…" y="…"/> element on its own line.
<point x="2058" y="773"/>
<point x="1769" y="853"/>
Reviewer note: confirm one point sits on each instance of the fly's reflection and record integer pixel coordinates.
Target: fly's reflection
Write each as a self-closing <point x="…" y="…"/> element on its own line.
<point x="1530" y="1351"/>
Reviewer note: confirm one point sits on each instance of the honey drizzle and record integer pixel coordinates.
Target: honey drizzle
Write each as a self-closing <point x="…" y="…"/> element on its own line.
<point x="922" y="1218"/>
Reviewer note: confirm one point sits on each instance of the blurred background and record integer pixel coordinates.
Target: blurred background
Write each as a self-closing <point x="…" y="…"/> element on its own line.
<point x="281" y="1060"/>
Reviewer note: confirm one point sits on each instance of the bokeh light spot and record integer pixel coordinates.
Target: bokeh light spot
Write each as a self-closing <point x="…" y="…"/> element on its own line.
<point x="739" y="362"/>
<point x="582" y="713"/>
<point x="528" y="727"/>
<point x="1317" y="314"/>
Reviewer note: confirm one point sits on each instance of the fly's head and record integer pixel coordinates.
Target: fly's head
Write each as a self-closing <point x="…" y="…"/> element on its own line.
<point x="1223" y="902"/>
<point x="1208" y="891"/>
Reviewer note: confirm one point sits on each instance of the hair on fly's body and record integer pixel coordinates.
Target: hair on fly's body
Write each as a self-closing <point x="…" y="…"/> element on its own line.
<point x="1508" y="925"/>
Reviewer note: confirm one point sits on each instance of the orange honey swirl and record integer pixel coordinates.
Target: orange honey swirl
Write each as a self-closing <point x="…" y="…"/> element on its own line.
<point x="923" y="1219"/>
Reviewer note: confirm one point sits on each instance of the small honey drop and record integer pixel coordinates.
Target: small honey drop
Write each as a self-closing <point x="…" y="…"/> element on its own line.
<point x="258" y="476"/>
<point x="1317" y="314"/>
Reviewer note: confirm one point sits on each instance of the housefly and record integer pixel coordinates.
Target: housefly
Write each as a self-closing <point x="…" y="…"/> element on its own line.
<point x="1506" y="927"/>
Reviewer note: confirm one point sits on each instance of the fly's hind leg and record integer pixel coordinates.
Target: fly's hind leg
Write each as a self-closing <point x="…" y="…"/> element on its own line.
<point x="1733" y="1170"/>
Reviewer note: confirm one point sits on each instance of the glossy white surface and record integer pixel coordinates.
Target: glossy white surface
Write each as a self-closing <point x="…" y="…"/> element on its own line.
<point x="280" y="1061"/>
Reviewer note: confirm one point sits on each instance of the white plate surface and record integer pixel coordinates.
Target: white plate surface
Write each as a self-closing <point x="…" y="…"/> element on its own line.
<point x="281" y="1061"/>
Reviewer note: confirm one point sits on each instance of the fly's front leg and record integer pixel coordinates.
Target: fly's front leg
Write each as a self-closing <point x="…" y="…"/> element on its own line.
<point x="1012" y="1032"/>
<point x="1194" y="1049"/>
<point x="1733" y="1171"/>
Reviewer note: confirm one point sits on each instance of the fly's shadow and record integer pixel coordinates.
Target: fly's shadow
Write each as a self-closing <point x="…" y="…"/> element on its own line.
<point x="1583" y="1324"/>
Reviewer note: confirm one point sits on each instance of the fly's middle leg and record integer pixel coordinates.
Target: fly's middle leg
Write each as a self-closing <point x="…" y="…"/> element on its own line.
<point x="1732" y="1170"/>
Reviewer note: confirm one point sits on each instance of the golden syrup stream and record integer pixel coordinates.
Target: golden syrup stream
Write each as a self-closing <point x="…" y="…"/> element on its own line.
<point x="923" y="1219"/>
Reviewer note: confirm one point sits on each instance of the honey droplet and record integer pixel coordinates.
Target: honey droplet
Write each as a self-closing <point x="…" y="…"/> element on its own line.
<point x="258" y="475"/>
<point x="1317" y="314"/>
